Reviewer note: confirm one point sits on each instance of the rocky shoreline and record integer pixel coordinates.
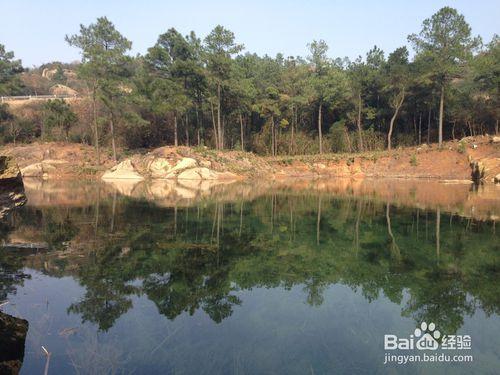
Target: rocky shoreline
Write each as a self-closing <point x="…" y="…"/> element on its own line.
<point x="456" y="160"/>
<point x="12" y="341"/>
<point x="11" y="186"/>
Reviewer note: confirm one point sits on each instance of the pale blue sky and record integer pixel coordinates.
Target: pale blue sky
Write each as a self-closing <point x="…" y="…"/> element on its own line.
<point x="35" y="30"/>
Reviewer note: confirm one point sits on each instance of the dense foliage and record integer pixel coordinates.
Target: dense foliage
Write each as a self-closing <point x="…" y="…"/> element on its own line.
<point x="188" y="90"/>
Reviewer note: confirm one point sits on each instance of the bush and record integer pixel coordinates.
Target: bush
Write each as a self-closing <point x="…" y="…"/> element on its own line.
<point x="58" y="114"/>
<point x="302" y="143"/>
<point x="461" y="147"/>
<point x="413" y="160"/>
<point x="338" y="137"/>
<point x="372" y="140"/>
<point x="404" y="140"/>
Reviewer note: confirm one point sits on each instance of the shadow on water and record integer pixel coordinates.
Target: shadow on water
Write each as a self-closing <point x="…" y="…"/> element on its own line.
<point x="429" y="248"/>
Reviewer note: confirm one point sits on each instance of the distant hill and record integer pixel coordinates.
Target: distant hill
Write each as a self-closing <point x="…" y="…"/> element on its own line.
<point x="52" y="78"/>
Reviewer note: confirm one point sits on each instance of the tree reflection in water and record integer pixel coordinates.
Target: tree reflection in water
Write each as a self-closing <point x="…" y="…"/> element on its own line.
<point x="198" y="255"/>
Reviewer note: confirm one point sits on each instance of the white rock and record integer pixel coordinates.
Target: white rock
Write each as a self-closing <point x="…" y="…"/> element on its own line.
<point x="159" y="168"/>
<point x="37" y="170"/>
<point x="185" y="163"/>
<point x="197" y="174"/>
<point x="124" y="170"/>
<point x="205" y="163"/>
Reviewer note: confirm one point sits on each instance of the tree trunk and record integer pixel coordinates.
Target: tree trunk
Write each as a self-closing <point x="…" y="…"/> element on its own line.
<point x="96" y="130"/>
<point x="112" y="131"/>
<point x="176" y="140"/>
<point x="241" y="133"/>
<point x="360" y="134"/>
<point x="349" y="144"/>
<point x="441" y="115"/>
<point x="420" y="128"/>
<point x="216" y="135"/>
<point x="318" y="221"/>
<point x="219" y="125"/>
<point x="429" y="126"/>
<point x="394" y="246"/>
<point x="272" y="136"/>
<point x="496" y="127"/>
<point x="197" y="126"/>
<point x="319" y="129"/>
<point x="290" y="149"/>
<point x="221" y="133"/>
<point x="187" y="129"/>
<point x="393" y="119"/>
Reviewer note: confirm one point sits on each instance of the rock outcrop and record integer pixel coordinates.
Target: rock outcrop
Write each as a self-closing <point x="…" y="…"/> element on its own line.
<point x="164" y="168"/>
<point x="12" y="340"/>
<point x="11" y="186"/>
<point x="159" y="167"/>
<point x="197" y="173"/>
<point x="125" y="170"/>
<point x="43" y="169"/>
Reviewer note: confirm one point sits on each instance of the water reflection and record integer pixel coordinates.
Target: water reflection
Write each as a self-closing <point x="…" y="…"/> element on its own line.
<point x="196" y="249"/>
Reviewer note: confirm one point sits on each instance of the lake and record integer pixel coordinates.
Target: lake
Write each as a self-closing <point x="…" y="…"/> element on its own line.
<point x="295" y="277"/>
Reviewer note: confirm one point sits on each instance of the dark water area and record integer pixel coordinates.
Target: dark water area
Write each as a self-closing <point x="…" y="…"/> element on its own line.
<point x="249" y="280"/>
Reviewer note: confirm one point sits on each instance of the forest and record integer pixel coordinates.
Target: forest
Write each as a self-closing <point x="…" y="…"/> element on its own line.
<point x="188" y="90"/>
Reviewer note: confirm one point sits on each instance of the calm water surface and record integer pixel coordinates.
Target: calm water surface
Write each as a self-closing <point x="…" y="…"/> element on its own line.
<point x="250" y="279"/>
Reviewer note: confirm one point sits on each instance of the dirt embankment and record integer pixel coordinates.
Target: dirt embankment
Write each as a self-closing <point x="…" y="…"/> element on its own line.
<point x="451" y="162"/>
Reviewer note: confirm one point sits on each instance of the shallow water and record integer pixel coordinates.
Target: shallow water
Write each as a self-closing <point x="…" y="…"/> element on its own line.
<point x="288" y="278"/>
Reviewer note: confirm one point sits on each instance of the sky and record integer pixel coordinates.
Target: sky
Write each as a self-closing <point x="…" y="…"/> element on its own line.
<point x="35" y="30"/>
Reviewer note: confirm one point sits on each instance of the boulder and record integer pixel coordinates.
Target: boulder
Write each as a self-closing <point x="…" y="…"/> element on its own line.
<point x="200" y="173"/>
<point x="9" y="171"/>
<point x="11" y="186"/>
<point x="184" y="163"/>
<point x="159" y="168"/>
<point x="496" y="179"/>
<point x="495" y="139"/>
<point x="123" y="170"/>
<point x="12" y="340"/>
<point x="205" y="163"/>
<point x="59" y="89"/>
<point x="42" y="169"/>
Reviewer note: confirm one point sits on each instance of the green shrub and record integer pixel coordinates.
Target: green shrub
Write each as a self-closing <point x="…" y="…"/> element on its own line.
<point x="413" y="160"/>
<point x="461" y="147"/>
<point x="338" y="137"/>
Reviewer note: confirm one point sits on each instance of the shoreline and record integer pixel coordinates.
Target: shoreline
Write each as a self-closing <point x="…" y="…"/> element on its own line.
<point x="450" y="164"/>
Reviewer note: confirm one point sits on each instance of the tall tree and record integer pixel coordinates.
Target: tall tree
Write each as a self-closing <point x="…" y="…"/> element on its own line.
<point x="10" y="84"/>
<point x="445" y="43"/>
<point x="103" y="51"/>
<point x="485" y="76"/>
<point x="320" y="66"/>
<point x="220" y="46"/>
<point x="397" y="82"/>
<point x="358" y="73"/>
